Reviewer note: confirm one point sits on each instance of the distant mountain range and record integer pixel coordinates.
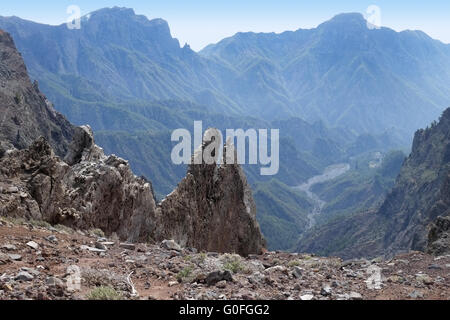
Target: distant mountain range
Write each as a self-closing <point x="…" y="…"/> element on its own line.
<point x="340" y="72"/>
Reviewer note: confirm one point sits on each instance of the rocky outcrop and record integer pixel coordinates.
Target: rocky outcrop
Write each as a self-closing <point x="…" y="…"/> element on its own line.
<point x="439" y="237"/>
<point x="25" y="113"/>
<point x="97" y="191"/>
<point x="212" y="208"/>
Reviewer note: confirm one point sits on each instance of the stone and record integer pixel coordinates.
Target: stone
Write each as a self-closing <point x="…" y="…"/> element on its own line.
<point x="33" y="245"/>
<point x="434" y="267"/>
<point x="416" y="294"/>
<point x="326" y="291"/>
<point x="221" y="284"/>
<point x="306" y="297"/>
<point x="216" y="276"/>
<point x="23" y="276"/>
<point x="9" y="247"/>
<point x="31" y="271"/>
<point x="173" y="283"/>
<point x="4" y="258"/>
<point x="355" y="296"/>
<point x="275" y="269"/>
<point x="424" y="278"/>
<point x="51" y="238"/>
<point x="15" y="257"/>
<point x="91" y="249"/>
<point x="170" y="245"/>
<point x="100" y="246"/>
<point x="128" y="246"/>
<point x="297" y="272"/>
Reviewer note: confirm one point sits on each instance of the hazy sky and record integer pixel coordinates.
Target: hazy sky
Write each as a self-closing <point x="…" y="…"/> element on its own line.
<point x="199" y="22"/>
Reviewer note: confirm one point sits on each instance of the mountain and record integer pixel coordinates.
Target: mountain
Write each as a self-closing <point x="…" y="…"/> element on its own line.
<point x="25" y="112"/>
<point x="414" y="213"/>
<point x="341" y="72"/>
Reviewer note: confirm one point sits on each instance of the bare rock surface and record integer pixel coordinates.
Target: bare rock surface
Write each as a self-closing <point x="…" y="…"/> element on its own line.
<point x="25" y="113"/>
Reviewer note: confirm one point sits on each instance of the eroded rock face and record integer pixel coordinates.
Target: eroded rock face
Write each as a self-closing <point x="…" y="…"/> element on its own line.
<point x="25" y="113"/>
<point x="212" y="209"/>
<point x="96" y="192"/>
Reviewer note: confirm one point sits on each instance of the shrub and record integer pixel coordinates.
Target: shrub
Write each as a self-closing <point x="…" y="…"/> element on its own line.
<point x="104" y="293"/>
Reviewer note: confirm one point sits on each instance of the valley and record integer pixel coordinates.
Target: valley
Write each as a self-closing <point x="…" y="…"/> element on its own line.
<point x="330" y="173"/>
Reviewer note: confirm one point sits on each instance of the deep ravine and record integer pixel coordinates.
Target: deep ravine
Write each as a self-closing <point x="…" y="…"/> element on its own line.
<point x="330" y="173"/>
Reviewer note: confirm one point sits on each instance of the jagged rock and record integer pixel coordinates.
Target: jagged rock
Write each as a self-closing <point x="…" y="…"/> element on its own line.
<point x="103" y="194"/>
<point x="212" y="208"/>
<point x="439" y="237"/>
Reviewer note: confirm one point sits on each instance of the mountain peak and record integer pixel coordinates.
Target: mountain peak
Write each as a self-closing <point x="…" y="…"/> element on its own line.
<point x="122" y="11"/>
<point x="352" y="19"/>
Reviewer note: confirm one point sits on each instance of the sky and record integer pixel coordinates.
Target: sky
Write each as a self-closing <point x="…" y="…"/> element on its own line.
<point x="200" y="22"/>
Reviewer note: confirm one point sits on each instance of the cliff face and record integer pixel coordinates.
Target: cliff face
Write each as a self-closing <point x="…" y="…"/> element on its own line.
<point x="212" y="208"/>
<point x="25" y="113"/>
<point x="421" y="192"/>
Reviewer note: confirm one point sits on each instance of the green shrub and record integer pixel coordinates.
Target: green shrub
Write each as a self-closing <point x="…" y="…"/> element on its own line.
<point x="232" y="263"/>
<point x="185" y="274"/>
<point x="104" y="293"/>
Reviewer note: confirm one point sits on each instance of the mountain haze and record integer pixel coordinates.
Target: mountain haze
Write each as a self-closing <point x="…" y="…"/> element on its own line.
<point x="340" y="72"/>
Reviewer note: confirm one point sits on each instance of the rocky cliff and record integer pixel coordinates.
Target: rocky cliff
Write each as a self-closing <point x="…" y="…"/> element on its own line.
<point x="25" y="112"/>
<point x="422" y="190"/>
<point x="212" y="208"/>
